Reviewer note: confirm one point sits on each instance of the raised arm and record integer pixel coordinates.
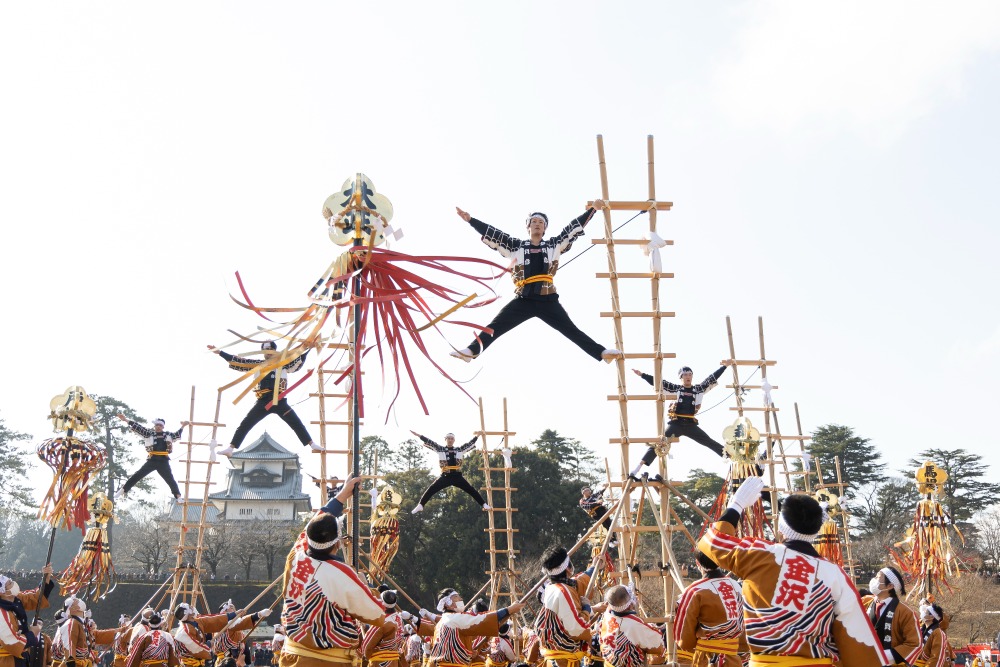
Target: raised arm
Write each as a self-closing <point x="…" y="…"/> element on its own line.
<point x="563" y="241"/>
<point x="667" y="386"/>
<point x="297" y="363"/>
<point x="503" y="243"/>
<point x="236" y="363"/>
<point x="135" y="426"/>
<point x="711" y="380"/>
<point x="428" y="443"/>
<point x="469" y="445"/>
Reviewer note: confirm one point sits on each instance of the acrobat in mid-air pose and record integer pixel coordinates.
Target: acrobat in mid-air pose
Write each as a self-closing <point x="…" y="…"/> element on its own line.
<point x="535" y="263"/>
<point x="450" y="458"/>
<point x="265" y="394"/>
<point x="682" y="411"/>
<point x="159" y="445"/>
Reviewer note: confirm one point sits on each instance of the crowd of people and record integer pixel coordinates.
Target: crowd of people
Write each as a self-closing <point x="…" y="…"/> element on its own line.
<point x="756" y="603"/>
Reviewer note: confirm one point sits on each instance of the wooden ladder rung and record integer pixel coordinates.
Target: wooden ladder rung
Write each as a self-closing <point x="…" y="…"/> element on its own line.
<point x="331" y="451"/>
<point x="747" y="362"/>
<point x="618" y="441"/>
<point x="655" y="314"/>
<point x="494" y="433"/>
<point x="625" y="242"/>
<point x="748" y="386"/>
<point x="204" y="424"/>
<point x="779" y="436"/>
<point x="333" y="423"/>
<point x="502" y="530"/>
<point x="746" y="409"/>
<point x="500" y="509"/>
<point x="614" y="276"/>
<point x="650" y="355"/>
<point x="329" y="395"/>
<point x="502" y="551"/>
<point x="642" y="397"/>
<point x="207" y="463"/>
<point x="637" y="205"/>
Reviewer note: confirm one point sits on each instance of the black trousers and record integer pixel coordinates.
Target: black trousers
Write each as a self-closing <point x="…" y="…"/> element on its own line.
<point x="519" y="311"/>
<point x="159" y="465"/>
<point x="453" y="478"/>
<point x="684" y="427"/>
<point x="259" y="411"/>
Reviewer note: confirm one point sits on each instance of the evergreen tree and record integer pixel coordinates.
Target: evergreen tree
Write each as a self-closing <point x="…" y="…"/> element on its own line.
<point x="966" y="490"/>
<point x="701" y="488"/>
<point x="409" y="454"/>
<point x="859" y="459"/>
<point x="375" y="448"/>
<point x="15" y="496"/>
<point x="577" y="463"/>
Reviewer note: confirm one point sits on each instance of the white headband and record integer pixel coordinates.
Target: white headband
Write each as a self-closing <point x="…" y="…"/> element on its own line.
<point x="3" y="582"/>
<point x="892" y="579"/>
<point x="559" y="569"/>
<point x="160" y="422"/>
<point x="930" y="609"/>
<point x="322" y="546"/>
<point x="791" y="534"/>
<point x="443" y="602"/>
<point x="621" y="607"/>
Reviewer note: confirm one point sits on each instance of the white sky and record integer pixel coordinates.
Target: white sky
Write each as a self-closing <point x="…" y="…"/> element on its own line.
<point x="830" y="169"/>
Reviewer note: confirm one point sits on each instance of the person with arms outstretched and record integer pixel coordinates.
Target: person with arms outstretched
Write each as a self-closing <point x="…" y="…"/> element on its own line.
<point x="450" y="457"/>
<point x="536" y="260"/>
<point x="682" y="412"/>
<point x="159" y="445"/>
<point x="265" y="395"/>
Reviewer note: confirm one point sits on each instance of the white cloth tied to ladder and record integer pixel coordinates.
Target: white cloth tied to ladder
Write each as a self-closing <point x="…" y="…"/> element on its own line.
<point x="652" y="250"/>
<point x="765" y="387"/>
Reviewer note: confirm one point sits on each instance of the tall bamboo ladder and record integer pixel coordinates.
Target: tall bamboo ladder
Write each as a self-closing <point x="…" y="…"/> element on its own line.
<point x="844" y="518"/>
<point x="186" y="583"/>
<point x="336" y="438"/>
<point x="628" y="528"/>
<point x="503" y="556"/>
<point x="779" y="474"/>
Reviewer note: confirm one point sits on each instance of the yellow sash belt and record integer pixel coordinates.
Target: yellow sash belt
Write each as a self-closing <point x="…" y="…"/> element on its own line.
<point x="382" y="656"/>
<point x="450" y="468"/>
<point x="341" y="655"/>
<point x="719" y="646"/>
<point x="572" y="658"/>
<point x="788" y="661"/>
<point x="544" y="278"/>
<point x="192" y="662"/>
<point x="154" y="662"/>
<point x="490" y="663"/>
<point x="686" y="656"/>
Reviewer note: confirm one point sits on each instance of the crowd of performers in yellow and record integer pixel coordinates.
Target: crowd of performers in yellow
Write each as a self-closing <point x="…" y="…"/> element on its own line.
<point x="757" y="603"/>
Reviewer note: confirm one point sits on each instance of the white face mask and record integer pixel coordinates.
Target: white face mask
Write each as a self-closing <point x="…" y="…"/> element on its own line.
<point x="459" y="606"/>
<point x="874" y="586"/>
<point x="15" y="590"/>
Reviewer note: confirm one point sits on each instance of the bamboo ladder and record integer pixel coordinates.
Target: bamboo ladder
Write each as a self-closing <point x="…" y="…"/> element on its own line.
<point x="844" y="518"/>
<point x="629" y="528"/>
<point x="186" y="583"/>
<point x="335" y="429"/>
<point x="503" y="570"/>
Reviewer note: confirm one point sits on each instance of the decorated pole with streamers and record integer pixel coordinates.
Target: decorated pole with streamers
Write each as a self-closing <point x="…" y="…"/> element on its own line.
<point x="359" y="216"/>
<point x="74" y="462"/>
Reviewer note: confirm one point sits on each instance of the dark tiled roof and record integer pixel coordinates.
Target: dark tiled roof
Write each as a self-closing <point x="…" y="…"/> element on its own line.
<point x="193" y="512"/>
<point x="264" y="448"/>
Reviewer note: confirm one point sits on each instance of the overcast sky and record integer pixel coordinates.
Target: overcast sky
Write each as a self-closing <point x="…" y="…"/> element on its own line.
<point x="830" y="168"/>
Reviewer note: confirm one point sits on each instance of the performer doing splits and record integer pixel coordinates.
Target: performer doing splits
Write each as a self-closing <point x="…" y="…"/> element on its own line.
<point x="535" y="263"/>
<point x="683" y="410"/>
<point x="265" y="394"/>
<point x="159" y="444"/>
<point x="798" y="608"/>
<point x="451" y="469"/>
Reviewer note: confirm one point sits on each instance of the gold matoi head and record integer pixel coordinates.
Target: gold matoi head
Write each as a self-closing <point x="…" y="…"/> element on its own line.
<point x="358" y="201"/>
<point x="389" y="501"/>
<point x="930" y="478"/>
<point x="72" y="409"/>
<point x="826" y="496"/>
<point x="742" y="441"/>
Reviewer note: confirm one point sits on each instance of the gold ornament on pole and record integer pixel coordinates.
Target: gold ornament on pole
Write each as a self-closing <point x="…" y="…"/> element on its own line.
<point x="926" y="554"/>
<point x="91" y="571"/>
<point x="385" y="529"/>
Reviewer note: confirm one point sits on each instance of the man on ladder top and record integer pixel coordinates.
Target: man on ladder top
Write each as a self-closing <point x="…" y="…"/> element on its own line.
<point x="535" y="263"/>
<point x="682" y="421"/>
<point x="265" y="395"/>
<point x="450" y="457"/>
<point x="159" y="445"/>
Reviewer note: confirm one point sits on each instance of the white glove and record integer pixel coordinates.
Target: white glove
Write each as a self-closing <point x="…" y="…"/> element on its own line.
<point x="747" y="494"/>
<point x="405" y="615"/>
<point x="263" y="613"/>
<point x="426" y="614"/>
